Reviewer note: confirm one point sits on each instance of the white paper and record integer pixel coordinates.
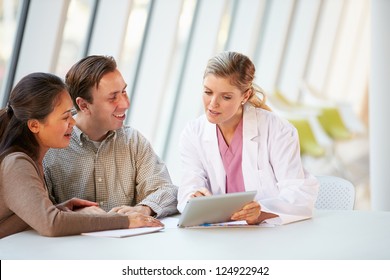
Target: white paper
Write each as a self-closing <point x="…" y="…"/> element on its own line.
<point x="170" y="222"/>
<point x="123" y="232"/>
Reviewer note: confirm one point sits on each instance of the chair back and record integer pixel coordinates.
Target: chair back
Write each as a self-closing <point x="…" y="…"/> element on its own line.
<point x="335" y="193"/>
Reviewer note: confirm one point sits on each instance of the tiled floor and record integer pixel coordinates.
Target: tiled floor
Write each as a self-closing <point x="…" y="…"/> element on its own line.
<point x="350" y="160"/>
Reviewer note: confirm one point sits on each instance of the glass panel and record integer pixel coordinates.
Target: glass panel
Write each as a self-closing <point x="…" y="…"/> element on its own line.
<point x="272" y="45"/>
<point x="344" y="60"/>
<point x="177" y="62"/>
<point x="323" y="44"/>
<point x="226" y="21"/>
<point x="298" y="48"/>
<point x="128" y="61"/>
<point x="75" y="34"/>
<point x="9" y="13"/>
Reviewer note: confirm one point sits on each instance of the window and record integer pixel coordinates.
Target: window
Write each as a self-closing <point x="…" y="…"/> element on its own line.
<point x="75" y="34"/>
<point x="9" y="14"/>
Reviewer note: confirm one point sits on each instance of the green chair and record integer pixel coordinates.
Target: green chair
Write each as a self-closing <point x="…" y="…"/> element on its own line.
<point x="307" y="141"/>
<point x="328" y="116"/>
<point x="333" y="124"/>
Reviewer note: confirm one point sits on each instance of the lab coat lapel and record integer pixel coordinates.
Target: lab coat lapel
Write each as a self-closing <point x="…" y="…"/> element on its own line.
<point x="214" y="161"/>
<point x="251" y="142"/>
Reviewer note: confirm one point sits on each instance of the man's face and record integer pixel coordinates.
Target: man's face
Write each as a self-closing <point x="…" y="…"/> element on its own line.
<point x="110" y="102"/>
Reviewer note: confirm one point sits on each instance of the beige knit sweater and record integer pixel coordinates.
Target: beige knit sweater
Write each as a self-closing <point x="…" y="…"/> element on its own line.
<point x="24" y="204"/>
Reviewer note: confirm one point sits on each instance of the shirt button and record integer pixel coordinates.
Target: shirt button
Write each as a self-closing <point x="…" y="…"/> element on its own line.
<point x="99" y="180"/>
<point x="81" y="144"/>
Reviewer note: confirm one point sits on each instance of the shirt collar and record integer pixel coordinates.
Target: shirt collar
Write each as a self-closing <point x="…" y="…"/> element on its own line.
<point x="81" y="136"/>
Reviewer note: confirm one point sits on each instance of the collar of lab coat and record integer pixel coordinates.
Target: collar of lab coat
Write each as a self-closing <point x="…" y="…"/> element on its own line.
<point x="249" y="153"/>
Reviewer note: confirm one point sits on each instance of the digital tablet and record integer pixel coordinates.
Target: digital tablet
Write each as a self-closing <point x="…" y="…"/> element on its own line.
<point x="214" y="208"/>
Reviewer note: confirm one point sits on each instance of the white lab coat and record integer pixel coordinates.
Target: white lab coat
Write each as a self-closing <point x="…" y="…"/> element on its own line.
<point x="271" y="165"/>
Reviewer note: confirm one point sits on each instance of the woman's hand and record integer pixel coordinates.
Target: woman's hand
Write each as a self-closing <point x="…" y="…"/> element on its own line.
<point x="201" y="192"/>
<point x="250" y="213"/>
<point x="137" y="220"/>
<point x="75" y="204"/>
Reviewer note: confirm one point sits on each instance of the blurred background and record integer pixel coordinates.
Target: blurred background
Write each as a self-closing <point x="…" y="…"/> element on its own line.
<point x="312" y="58"/>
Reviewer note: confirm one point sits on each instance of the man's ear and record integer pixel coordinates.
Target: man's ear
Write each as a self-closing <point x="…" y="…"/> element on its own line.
<point x="83" y="105"/>
<point x="33" y="125"/>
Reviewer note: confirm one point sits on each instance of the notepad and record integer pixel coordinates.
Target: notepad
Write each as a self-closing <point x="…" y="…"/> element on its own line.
<point x="123" y="232"/>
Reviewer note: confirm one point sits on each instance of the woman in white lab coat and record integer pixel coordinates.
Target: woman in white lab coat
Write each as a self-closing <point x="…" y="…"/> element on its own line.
<point x="240" y="145"/>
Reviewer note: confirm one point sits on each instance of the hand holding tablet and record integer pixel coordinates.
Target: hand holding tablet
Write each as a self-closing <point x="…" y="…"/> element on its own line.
<point x="214" y="208"/>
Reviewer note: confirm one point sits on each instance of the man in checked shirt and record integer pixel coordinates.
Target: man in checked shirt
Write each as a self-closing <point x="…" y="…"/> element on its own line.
<point x="107" y="162"/>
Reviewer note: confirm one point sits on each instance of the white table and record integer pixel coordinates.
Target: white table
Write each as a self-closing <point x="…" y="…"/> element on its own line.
<point x="329" y="235"/>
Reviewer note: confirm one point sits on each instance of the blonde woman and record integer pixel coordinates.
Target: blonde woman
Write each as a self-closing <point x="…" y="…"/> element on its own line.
<point x="240" y="145"/>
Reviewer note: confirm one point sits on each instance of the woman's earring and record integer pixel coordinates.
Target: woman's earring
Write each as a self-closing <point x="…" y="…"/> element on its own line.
<point x="242" y="103"/>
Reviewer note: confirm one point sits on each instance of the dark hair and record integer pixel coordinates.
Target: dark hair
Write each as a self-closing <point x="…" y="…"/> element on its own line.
<point x="241" y="72"/>
<point x="86" y="74"/>
<point x="34" y="97"/>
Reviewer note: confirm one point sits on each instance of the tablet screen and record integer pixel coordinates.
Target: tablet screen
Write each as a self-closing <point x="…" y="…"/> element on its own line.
<point x="213" y="209"/>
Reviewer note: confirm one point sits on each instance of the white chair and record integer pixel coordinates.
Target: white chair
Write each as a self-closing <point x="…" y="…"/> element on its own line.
<point x="335" y="193"/>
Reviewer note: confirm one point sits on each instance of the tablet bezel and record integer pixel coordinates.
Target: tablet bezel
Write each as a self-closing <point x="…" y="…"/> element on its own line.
<point x="213" y="209"/>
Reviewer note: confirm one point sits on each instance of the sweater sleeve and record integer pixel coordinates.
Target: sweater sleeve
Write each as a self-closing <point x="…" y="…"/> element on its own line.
<point x="25" y="195"/>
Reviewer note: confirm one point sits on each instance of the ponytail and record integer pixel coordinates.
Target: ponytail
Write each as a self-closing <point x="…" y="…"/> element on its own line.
<point x="256" y="101"/>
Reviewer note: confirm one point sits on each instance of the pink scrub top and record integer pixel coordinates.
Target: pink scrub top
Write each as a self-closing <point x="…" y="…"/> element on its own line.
<point x="232" y="160"/>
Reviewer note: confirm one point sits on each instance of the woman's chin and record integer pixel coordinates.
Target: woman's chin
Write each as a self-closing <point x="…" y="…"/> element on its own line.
<point x="212" y="119"/>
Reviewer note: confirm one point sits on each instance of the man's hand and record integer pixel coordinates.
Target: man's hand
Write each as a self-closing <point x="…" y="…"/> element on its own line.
<point x="75" y="204"/>
<point x="124" y="209"/>
<point x="137" y="220"/>
<point x="91" y="210"/>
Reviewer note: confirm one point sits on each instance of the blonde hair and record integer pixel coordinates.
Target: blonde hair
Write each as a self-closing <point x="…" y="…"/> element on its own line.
<point x="241" y="72"/>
